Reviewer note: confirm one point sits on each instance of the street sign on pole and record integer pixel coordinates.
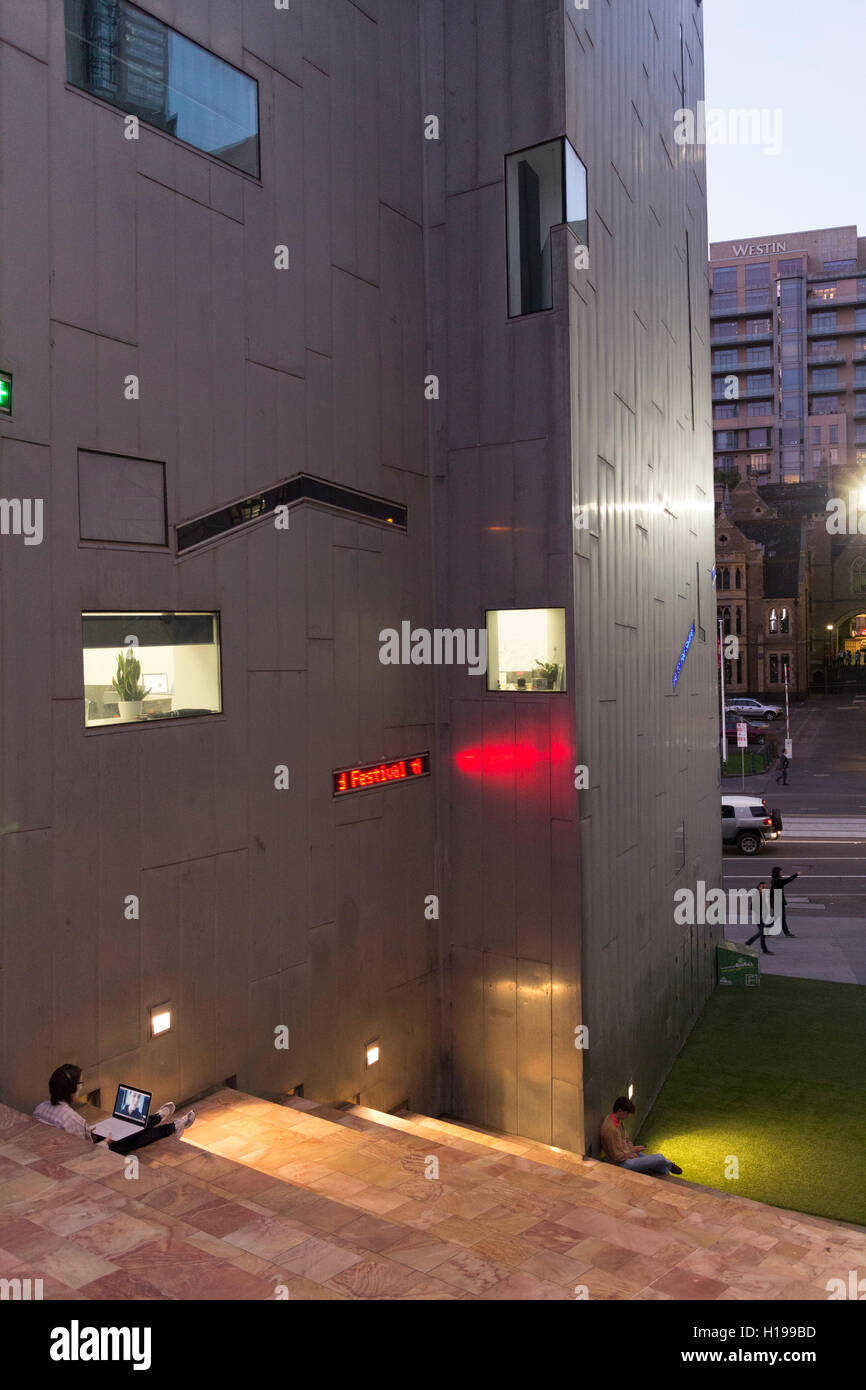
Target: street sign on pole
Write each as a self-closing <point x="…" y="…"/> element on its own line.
<point x="742" y="734"/>
<point x="789" y="748"/>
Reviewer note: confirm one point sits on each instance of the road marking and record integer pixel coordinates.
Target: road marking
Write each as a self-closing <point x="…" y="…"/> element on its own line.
<point x="826" y="826"/>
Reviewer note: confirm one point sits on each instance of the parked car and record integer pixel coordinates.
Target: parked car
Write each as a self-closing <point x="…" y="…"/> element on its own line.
<point x="757" y="733"/>
<point x="747" y="823"/>
<point x="756" y="709"/>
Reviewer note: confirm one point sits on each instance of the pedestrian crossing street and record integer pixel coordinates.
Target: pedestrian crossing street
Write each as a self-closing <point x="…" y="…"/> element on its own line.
<point x="823" y="827"/>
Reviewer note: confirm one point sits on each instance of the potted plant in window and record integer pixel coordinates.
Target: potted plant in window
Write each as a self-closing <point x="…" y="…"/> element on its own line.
<point x="545" y="675"/>
<point x="127" y="683"/>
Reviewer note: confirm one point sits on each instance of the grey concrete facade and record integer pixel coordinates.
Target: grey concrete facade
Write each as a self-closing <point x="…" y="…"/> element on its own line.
<point x="589" y="405"/>
<point x="262" y="907"/>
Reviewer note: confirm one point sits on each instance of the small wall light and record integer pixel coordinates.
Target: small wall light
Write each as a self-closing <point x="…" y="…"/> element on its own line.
<point x="371" y="1050"/>
<point x="631" y="1090"/>
<point x="160" y="1020"/>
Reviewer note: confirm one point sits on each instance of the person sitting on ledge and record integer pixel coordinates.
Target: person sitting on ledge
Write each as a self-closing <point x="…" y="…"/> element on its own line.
<point x="64" y="1088"/>
<point x="619" y="1149"/>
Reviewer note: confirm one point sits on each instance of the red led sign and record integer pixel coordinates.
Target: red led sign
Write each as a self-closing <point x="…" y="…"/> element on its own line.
<point x="359" y="779"/>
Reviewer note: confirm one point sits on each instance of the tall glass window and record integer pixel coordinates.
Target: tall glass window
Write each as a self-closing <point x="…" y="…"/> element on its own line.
<point x="725" y="279"/>
<point x="759" y="439"/>
<point x="826" y="376"/>
<point x="117" y="52"/>
<point x="545" y="186"/>
<point x="759" y="382"/>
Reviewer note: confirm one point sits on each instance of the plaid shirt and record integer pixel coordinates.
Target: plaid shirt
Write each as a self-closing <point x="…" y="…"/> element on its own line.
<point x="62" y="1116"/>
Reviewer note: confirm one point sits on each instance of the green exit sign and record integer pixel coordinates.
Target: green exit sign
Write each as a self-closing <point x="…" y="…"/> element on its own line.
<point x="5" y="393"/>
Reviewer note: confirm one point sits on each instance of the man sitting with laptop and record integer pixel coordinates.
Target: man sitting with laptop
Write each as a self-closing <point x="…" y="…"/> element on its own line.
<point x="130" y="1126"/>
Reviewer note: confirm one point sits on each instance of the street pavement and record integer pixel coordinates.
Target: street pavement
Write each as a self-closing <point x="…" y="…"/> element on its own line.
<point x="823" y="837"/>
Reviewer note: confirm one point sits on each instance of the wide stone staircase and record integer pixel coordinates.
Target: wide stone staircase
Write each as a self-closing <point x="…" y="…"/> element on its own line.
<point x="307" y="1201"/>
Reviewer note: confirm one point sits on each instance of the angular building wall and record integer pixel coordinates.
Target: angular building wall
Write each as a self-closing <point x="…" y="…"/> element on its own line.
<point x="261" y="907"/>
<point x="560" y="900"/>
<point x="258" y="907"/>
<point x="642" y="432"/>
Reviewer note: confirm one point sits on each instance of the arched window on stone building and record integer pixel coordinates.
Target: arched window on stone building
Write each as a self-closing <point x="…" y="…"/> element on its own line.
<point x="774" y="622"/>
<point x="858" y="576"/>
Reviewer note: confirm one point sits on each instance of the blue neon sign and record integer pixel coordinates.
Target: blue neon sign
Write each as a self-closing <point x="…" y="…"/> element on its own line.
<point x="683" y="654"/>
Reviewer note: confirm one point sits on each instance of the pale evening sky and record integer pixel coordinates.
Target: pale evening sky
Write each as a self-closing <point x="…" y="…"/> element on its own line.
<point x="807" y="60"/>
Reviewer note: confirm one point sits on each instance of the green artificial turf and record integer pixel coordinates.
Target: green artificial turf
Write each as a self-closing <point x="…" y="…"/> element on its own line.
<point x="773" y="1076"/>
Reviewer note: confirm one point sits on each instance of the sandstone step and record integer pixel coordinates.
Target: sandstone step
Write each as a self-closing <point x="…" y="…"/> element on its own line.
<point x="330" y="1202"/>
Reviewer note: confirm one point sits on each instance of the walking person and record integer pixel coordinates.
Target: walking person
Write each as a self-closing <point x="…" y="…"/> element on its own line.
<point x="777" y="882"/>
<point x="764" y="920"/>
<point x="784" y="764"/>
<point x="64" y="1087"/>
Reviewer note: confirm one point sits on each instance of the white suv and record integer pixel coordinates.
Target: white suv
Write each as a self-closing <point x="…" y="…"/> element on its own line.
<point x="756" y="709"/>
<point x="747" y="823"/>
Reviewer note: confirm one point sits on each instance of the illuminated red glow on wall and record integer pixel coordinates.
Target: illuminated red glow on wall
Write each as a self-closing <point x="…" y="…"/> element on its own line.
<point x="357" y="779"/>
<point x="506" y="759"/>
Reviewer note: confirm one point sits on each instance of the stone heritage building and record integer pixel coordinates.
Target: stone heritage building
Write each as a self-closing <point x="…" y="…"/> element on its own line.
<point x="791" y="586"/>
<point x="318" y="321"/>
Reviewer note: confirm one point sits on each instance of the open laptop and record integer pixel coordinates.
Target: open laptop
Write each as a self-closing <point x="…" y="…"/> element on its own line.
<point x="131" y="1108"/>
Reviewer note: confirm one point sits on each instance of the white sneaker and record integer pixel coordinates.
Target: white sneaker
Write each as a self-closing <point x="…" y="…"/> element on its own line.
<point x="166" y="1111"/>
<point x="184" y="1122"/>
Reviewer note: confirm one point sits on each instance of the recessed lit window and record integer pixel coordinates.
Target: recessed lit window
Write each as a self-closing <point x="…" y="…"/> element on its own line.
<point x="148" y="666"/>
<point x="371" y="1052"/>
<point x="526" y="650"/>
<point x="160" y="1020"/>
<point x="545" y="186"/>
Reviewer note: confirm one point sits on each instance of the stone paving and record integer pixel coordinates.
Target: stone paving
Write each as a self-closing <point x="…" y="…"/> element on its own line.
<point x="259" y="1201"/>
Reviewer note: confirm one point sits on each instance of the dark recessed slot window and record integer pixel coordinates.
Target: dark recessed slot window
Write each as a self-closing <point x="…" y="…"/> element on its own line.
<point x="295" y="490"/>
<point x="141" y="666"/>
<point x="545" y="186"/>
<point x="129" y="58"/>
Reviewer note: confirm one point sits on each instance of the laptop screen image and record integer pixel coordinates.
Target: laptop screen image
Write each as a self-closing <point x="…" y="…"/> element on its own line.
<point x="132" y="1105"/>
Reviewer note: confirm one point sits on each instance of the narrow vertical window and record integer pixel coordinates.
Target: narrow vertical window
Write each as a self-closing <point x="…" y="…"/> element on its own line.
<point x="545" y="186"/>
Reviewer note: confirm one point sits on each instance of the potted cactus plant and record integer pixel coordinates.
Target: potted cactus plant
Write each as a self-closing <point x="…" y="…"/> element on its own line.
<point x="128" y="685"/>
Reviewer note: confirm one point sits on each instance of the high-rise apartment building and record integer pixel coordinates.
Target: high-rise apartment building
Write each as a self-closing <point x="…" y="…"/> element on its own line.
<point x="788" y="318"/>
<point x="320" y="323"/>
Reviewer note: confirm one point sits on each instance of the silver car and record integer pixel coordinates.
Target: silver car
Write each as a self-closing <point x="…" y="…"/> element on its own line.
<point x="747" y="823"/>
<point x="753" y="709"/>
